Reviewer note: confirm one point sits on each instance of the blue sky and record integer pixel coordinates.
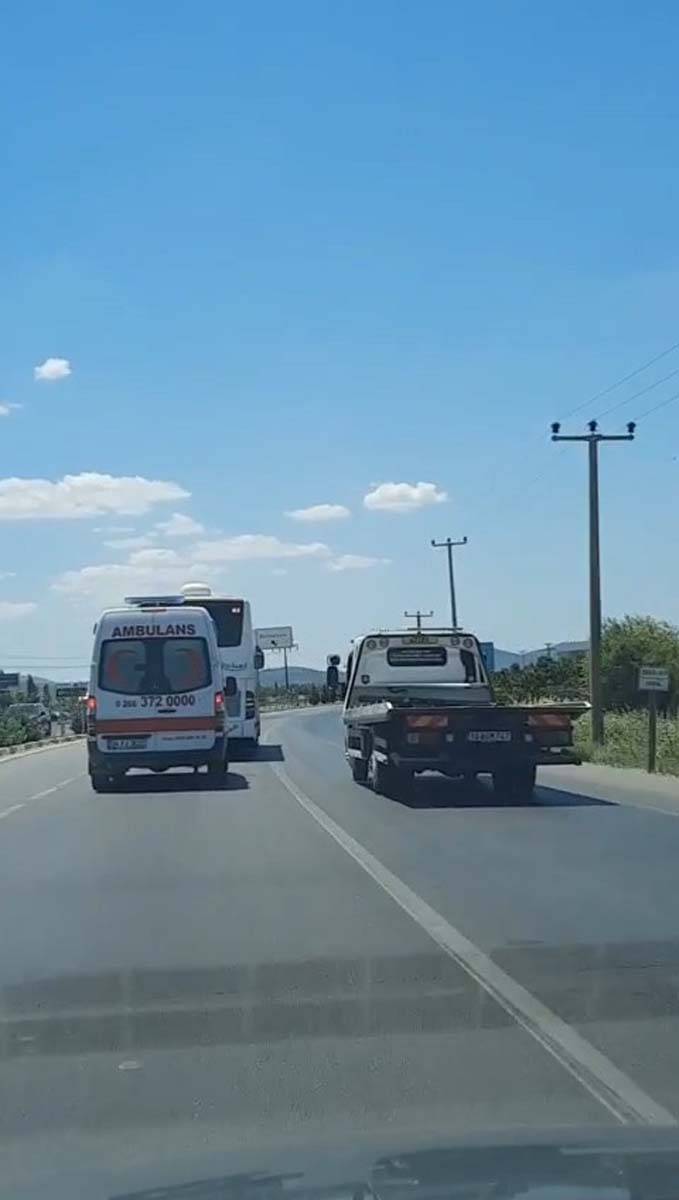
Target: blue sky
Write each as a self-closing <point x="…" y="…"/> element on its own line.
<point x="293" y="252"/>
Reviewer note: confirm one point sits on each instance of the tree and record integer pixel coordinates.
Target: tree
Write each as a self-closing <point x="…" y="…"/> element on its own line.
<point x="631" y="642"/>
<point x="31" y="689"/>
<point x="46" y="695"/>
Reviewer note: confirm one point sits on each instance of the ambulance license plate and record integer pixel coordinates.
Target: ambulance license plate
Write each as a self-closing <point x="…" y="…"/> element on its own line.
<point x="129" y="743"/>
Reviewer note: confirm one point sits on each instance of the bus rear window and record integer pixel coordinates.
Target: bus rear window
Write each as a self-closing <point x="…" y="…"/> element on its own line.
<point x="154" y="666"/>
<point x="228" y="618"/>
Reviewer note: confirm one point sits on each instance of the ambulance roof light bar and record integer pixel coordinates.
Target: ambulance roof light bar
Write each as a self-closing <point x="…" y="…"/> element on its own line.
<point x="154" y="601"/>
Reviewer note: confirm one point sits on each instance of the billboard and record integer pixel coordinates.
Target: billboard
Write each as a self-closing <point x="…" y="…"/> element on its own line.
<point x="275" y="637"/>
<point x="70" y="691"/>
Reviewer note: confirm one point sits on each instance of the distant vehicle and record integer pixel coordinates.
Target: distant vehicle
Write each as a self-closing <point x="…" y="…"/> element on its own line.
<point x="35" y="715"/>
<point x="155" y="696"/>
<point x="422" y="701"/>
<point x="240" y="658"/>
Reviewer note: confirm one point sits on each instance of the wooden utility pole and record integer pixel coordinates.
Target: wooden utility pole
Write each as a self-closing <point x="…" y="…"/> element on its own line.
<point x="448" y="544"/>
<point x="419" y="617"/>
<point x="593" y="438"/>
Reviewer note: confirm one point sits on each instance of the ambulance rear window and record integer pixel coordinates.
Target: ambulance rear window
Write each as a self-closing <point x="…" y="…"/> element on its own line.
<point x="154" y="666"/>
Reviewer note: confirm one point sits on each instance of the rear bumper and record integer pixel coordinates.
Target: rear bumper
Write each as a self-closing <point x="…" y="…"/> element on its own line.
<point x="113" y="763"/>
<point x="483" y="763"/>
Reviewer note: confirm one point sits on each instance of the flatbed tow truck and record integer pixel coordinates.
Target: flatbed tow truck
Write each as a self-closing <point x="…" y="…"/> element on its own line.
<point x="419" y="701"/>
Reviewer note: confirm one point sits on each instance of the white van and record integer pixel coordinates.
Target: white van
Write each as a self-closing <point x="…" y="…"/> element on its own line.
<point x="155" y="696"/>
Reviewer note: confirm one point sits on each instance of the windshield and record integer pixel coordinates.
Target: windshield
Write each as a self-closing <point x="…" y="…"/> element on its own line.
<point x="228" y="618"/>
<point x="154" y="666"/>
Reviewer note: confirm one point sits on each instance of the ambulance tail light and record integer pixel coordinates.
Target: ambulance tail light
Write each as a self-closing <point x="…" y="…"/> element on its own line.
<point x="91" y="708"/>
<point x="219" y="710"/>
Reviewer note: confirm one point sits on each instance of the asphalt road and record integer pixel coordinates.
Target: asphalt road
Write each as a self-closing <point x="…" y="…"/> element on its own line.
<point x="290" y="959"/>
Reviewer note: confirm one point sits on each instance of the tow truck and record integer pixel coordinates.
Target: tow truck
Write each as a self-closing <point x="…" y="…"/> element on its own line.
<point x="419" y="701"/>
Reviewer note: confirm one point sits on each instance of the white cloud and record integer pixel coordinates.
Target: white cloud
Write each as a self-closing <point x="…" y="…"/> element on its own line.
<point x="404" y="497"/>
<point x="6" y="409"/>
<point x="52" y="369"/>
<point x="130" y="543"/>
<point x="11" y="610"/>
<point x="257" y="545"/>
<point x="320" y="512"/>
<point x="279" y="571"/>
<point x="180" y="525"/>
<point x="145" y="571"/>
<point x="355" y="562"/>
<point x="86" y="495"/>
<point x="7" y="574"/>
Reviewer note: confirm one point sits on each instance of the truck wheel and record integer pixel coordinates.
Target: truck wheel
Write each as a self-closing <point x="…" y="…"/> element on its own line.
<point x="514" y="783"/>
<point x="359" y="769"/>
<point x="383" y="778"/>
<point x="523" y="782"/>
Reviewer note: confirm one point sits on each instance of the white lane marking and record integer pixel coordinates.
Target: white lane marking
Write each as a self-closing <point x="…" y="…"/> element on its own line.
<point x="40" y="795"/>
<point x="56" y="788"/>
<point x="601" y="1078"/>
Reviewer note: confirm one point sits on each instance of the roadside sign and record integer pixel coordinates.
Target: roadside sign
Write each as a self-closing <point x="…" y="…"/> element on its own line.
<point x="8" y="681"/>
<point x="70" y="691"/>
<point x="488" y="655"/>
<point x="275" y="637"/>
<point x="654" y="679"/>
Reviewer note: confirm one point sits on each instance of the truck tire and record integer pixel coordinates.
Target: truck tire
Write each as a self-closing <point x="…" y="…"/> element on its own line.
<point x="384" y="779"/>
<point x="514" y="783"/>
<point x="523" y="782"/>
<point x="359" y="769"/>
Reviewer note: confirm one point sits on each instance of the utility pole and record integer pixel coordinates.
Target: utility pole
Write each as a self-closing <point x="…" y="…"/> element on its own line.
<point x="449" y="543"/>
<point x="592" y="439"/>
<point x="419" y="617"/>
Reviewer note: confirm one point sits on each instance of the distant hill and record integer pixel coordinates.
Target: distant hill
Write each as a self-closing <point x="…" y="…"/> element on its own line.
<point x="272" y="676"/>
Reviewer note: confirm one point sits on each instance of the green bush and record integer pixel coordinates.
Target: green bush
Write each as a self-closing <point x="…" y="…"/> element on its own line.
<point x="626" y="743"/>
<point x="13" y="732"/>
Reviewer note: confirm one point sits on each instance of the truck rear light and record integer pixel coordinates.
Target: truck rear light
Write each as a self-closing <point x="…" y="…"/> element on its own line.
<point x="549" y="721"/>
<point x="427" y="721"/>
<point x="91" y="709"/>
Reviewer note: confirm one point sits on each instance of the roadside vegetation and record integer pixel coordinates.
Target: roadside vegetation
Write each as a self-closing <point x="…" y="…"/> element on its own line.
<point x="628" y="643"/>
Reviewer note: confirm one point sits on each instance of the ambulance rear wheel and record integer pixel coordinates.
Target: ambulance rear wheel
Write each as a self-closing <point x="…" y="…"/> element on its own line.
<point x="101" y="782"/>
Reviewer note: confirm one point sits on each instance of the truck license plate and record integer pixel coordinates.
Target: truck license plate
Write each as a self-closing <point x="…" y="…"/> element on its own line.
<point x="489" y="735"/>
<point x="130" y="743"/>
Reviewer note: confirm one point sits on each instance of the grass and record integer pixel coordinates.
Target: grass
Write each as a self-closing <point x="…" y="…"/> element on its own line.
<point x="626" y="743"/>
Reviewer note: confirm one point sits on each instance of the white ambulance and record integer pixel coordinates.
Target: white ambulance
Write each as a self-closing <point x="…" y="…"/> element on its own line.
<point x="155" y="696"/>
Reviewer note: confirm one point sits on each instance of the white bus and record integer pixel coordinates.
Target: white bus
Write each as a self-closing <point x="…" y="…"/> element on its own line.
<point x="240" y="657"/>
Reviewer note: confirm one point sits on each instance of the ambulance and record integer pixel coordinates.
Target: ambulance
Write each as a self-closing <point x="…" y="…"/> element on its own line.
<point x="156" y="698"/>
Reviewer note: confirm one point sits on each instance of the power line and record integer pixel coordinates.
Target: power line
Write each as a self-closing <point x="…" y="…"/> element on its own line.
<point x="667" y="400"/>
<point x="619" y="382"/>
<point x="635" y="395"/>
